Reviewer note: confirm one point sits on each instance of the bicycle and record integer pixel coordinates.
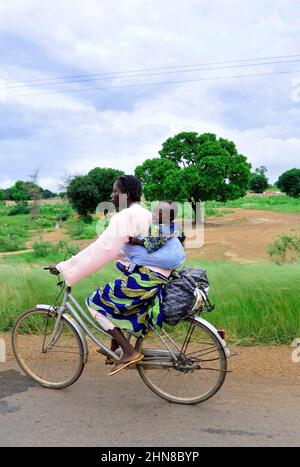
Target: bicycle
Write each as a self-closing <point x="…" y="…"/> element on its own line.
<point x="186" y="365"/>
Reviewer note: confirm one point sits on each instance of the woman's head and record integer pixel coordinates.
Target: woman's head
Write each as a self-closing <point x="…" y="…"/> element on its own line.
<point x="127" y="185"/>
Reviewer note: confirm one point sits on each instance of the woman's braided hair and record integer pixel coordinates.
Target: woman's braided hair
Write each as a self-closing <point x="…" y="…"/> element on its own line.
<point x="132" y="185"/>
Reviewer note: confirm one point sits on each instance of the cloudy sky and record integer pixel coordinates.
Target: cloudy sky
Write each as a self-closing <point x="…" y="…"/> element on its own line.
<point x="120" y="119"/>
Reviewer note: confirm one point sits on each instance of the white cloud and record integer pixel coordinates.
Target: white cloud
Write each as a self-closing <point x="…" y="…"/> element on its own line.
<point x="7" y="184"/>
<point x="48" y="183"/>
<point x="76" y="132"/>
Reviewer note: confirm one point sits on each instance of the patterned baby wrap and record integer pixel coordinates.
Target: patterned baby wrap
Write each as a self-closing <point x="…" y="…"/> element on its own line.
<point x="129" y="300"/>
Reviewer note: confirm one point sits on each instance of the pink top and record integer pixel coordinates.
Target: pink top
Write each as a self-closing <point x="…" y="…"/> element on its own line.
<point x="129" y="222"/>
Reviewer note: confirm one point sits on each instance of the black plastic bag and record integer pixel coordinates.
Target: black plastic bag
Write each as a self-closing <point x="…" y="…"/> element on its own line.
<point x="178" y="296"/>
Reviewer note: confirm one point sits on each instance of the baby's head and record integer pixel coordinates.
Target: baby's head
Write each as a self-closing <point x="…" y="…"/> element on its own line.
<point x="164" y="212"/>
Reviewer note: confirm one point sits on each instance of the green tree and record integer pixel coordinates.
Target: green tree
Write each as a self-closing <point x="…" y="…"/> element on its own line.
<point x="85" y="192"/>
<point x="2" y="195"/>
<point x="258" y="181"/>
<point x="47" y="194"/>
<point x="103" y="179"/>
<point x="261" y="170"/>
<point x="23" y="191"/>
<point x="289" y="183"/>
<point x="7" y="194"/>
<point x="19" y="192"/>
<point x="195" y="168"/>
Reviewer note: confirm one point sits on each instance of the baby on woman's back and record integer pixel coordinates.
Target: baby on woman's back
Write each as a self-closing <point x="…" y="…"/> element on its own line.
<point x="163" y="247"/>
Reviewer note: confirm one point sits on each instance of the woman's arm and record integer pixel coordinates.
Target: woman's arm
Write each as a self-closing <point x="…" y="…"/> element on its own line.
<point x="92" y="258"/>
<point x="106" y="247"/>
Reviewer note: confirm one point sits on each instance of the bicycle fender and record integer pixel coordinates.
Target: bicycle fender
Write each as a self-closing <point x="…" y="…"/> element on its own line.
<point x="215" y="332"/>
<point x="75" y="325"/>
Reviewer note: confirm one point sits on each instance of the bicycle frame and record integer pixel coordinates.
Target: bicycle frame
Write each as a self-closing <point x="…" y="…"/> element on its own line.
<point x="76" y="316"/>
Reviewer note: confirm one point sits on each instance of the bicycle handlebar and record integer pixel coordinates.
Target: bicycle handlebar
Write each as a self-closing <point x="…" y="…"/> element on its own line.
<point x="52" y="270"/>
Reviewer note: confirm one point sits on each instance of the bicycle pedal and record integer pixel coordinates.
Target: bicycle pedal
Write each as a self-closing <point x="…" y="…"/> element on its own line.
<point x="109" y="361"/>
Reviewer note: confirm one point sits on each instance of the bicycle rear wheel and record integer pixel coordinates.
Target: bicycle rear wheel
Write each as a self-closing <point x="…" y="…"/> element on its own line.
<point x="53" y="366"/>
<point x="197" y="373"/>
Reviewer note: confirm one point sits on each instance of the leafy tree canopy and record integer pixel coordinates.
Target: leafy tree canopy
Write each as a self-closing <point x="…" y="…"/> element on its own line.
<point x="24" y="191"/>
<point x="18" y="192"/>
<point x="85" y="192"/>
<point x="47" y="194"/>
<point x="289" y="182"/>
<point x="261" y="170"/>
<point x="258" y="181"/>
<point x="195" y="168"/>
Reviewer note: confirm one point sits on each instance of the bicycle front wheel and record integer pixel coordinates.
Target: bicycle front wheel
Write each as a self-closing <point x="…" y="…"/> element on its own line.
<point x="52" y="363"/>
<point x="195" y="374"/>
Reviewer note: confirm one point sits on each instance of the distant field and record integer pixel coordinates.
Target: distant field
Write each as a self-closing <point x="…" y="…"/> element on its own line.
<point x="16" y="231"/>
<point x="277" y="203"/>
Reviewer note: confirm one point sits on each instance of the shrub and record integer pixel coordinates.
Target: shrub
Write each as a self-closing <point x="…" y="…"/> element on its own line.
<point x="68" y="249"/>
<point x="62" y="250"/>
<point x="10" y="243"/>
<point x="43" y="223"/>
<point x="12" y="238"/>
<point x="64" y="215"/>
<point x="286" y="248"/>
<point x="42" y="249"/>
<point x="76" y="228"/>
<point x="19" y="208"/>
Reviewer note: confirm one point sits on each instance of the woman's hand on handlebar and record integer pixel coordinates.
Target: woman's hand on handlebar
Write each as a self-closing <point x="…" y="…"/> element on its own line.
<point x="53" y="270"/>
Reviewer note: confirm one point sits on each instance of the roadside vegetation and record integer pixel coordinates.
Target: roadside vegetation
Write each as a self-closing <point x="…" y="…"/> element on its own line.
<point x="255" y="303"/>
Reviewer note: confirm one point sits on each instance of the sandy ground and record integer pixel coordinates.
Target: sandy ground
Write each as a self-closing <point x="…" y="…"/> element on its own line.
<point x="256" y="361"/>
<point x="243" y="236"/>
<point x="257" y="406"/>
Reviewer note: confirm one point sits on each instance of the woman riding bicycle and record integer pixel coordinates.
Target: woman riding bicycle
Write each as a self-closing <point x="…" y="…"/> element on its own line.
<point x="126" y="302"/>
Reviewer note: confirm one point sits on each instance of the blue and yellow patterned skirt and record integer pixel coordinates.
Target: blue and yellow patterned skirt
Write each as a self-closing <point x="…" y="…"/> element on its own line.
<point x="131" y="301"/>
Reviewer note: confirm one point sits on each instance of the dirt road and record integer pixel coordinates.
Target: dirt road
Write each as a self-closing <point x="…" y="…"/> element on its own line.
<point x="258" y="406"/>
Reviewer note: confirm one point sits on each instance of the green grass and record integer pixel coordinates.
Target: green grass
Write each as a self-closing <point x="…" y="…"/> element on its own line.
<point x="22" y="220"/>
<point x="216" y="212"/>
<point x="13" y="234"/>
<point x="78" y="230"/>
<point x="278" y="203"/>
<point x="23" y="285"/>
<point x="15" y="230"/>
<point x="256" y="303"/>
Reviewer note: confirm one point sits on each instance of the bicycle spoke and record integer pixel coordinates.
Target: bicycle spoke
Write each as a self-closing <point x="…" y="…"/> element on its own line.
<point x="198" y="372"/>
<point x="57" y="366"/>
